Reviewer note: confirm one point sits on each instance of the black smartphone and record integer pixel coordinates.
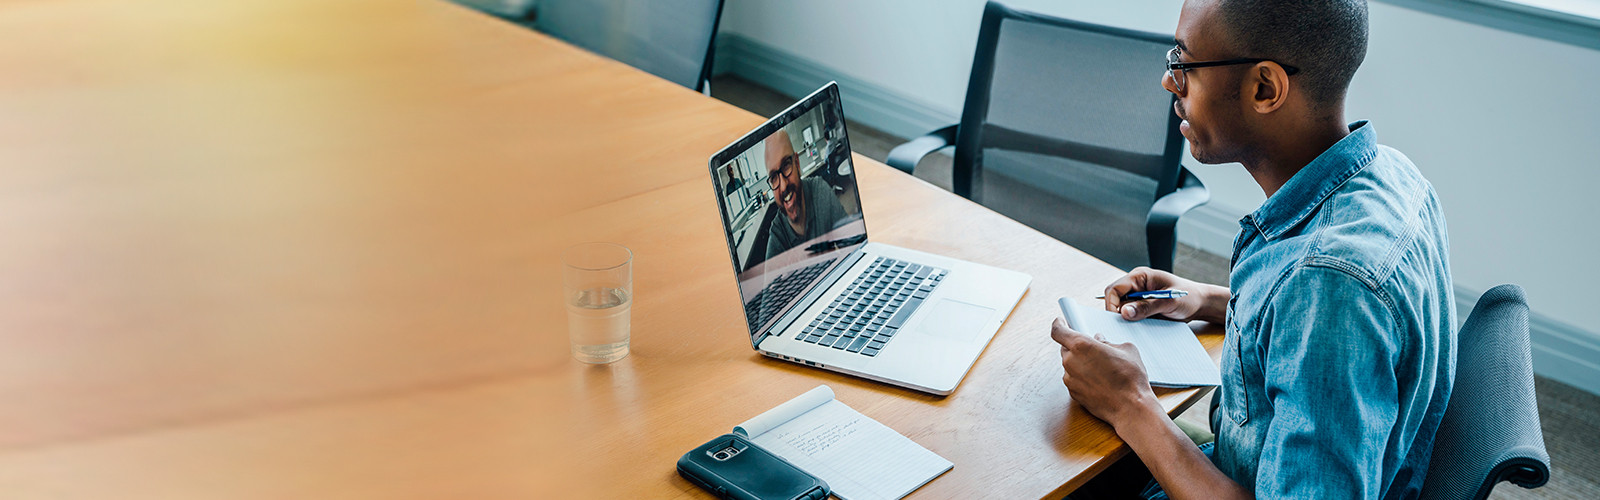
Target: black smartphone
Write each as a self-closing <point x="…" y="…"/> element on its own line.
<point x="732" y="467"/>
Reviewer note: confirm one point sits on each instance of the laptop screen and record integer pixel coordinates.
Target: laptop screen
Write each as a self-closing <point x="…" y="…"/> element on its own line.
<point x="787" y="193"/>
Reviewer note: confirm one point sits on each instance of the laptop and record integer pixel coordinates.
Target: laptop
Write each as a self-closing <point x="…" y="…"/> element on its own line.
<point x="817" y="291"/>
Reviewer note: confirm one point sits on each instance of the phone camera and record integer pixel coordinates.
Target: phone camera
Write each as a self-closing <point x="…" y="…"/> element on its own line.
<point x="725" y="453"/>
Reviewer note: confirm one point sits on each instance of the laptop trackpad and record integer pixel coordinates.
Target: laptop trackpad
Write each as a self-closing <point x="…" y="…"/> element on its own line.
<point x="955" y="320"/>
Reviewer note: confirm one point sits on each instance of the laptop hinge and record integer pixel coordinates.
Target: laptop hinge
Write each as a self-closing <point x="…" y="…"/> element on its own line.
<point x="811" y="296"/>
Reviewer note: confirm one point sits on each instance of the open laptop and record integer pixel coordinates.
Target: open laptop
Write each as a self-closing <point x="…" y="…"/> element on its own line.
<point x="816" y="291"/>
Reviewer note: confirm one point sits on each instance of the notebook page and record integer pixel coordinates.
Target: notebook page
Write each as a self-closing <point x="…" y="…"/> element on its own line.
<point x="1172" y="356"/>
<point x="790" y="409"/>
<point x="859" y="458"/>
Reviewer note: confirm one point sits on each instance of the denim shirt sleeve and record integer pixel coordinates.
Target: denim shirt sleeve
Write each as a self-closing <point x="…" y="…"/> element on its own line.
<point x="1329" y="362"/>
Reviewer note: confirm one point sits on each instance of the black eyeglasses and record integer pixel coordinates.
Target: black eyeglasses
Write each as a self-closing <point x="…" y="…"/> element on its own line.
<point x="786" y="167"/>
<point x="1178" y="69"/>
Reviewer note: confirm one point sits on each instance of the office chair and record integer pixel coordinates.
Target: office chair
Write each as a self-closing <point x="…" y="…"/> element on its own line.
<point x="671" y="39"/>
<point x="1490" y="432"/>
<point x="1077" y="110"/>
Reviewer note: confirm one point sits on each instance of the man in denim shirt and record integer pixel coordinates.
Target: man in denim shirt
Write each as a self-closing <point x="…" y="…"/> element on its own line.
<point x="1340" y="347"/>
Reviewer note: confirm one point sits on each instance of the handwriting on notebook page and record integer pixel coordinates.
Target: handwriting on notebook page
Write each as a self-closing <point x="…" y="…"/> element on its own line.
<point x="819" y="438"/>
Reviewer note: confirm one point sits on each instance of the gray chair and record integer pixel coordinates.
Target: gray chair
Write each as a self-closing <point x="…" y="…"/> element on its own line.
<point x="1490" y="432"/>
<point x="671" y="39"/>
<point x="1075" y="111"/>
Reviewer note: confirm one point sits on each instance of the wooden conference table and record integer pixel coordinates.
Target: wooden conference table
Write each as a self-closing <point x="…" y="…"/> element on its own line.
<point x="306" y="249"/>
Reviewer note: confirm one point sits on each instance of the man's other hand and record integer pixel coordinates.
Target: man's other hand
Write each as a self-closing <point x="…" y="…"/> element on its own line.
<point x="1204" y="302"/>
<point x="1107" y="379"/>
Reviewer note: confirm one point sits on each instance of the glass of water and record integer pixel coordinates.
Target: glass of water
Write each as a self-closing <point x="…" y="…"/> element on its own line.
<point x="599" y="292"/>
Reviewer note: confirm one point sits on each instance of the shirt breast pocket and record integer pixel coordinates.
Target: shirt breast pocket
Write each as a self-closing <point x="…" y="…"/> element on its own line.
<point x="1235" y="401"/>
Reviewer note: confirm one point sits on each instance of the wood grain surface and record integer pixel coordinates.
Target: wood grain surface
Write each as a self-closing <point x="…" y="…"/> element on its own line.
<point x="307" y="249"/>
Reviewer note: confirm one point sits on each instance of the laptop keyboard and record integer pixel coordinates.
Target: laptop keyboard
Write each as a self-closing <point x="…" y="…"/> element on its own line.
<point x="866" y="317"/>
<point x="779" y="292"/>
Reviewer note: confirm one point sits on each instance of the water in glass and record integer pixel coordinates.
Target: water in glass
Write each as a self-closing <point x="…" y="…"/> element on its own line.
<point x="598" y="320"/>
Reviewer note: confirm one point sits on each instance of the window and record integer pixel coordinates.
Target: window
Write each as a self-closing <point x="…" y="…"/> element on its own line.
<point x="1581" y="11"/>
<point x="1575" y="22"/>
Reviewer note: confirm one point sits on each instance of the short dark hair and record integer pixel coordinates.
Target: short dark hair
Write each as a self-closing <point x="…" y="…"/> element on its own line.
<point x="1326" y="39"/>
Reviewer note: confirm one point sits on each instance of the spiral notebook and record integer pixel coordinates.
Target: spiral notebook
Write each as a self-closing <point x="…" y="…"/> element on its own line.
<point x="860" y="458"/>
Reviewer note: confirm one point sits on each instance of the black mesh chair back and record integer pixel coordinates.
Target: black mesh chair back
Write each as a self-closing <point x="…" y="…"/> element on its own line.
<point x="1490" y="431"/>
<point x="671" y="39"/>
<point x="1077" y="111"/>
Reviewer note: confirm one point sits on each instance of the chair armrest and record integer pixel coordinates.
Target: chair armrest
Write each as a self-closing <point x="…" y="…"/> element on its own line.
<point x="1526" y="466"/>
<point x="1167" y="210"/>
<point x="1526" y="472"/>
<point x="906" y="156"/>
<point x="1161" y="224"/>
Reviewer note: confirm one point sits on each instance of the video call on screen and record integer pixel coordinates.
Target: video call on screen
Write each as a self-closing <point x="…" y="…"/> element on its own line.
<point x="794" y="188"/>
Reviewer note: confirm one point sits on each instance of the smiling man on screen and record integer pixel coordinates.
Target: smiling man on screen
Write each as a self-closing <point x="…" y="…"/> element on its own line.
<point x="808" y="205"/>
<point x="1340" y="346"/>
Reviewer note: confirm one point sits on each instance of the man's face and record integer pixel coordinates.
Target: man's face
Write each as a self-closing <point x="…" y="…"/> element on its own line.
<point x="783" y="175"/>
<point x="1209" y="102"/>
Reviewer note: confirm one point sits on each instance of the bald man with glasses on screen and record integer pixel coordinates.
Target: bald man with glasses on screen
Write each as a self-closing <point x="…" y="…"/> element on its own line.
<point x="809" y="207"/>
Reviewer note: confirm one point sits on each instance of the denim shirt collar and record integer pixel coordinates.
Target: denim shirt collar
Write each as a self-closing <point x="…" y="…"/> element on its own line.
<point x="1304" y="192"/>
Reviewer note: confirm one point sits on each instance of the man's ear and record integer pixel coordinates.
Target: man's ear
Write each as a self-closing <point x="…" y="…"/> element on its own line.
<point x="1268" y="86"/>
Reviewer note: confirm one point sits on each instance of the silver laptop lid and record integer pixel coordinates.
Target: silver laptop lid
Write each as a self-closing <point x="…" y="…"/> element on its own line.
<point x="789" y="203"/>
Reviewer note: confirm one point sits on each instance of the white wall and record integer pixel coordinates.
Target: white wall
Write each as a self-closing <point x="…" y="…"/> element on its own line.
<point x="1506" y="126"/>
